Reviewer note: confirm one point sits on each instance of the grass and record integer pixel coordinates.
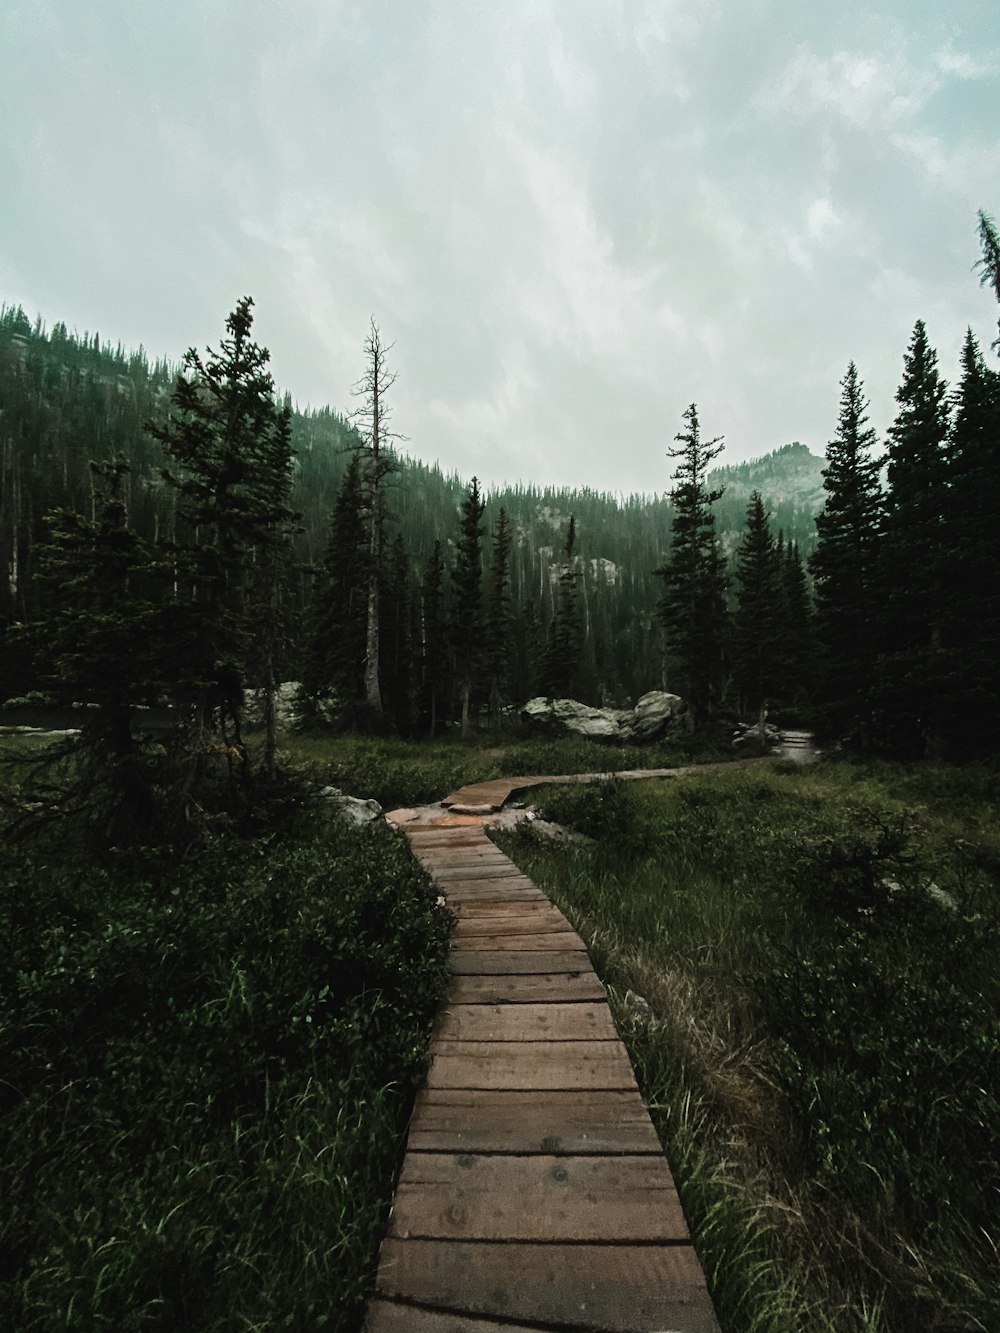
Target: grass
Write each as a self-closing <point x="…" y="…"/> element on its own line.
<point x="821" y="1051"/>
<point x="399" y="773"/>
<point x="207" y="1067"/>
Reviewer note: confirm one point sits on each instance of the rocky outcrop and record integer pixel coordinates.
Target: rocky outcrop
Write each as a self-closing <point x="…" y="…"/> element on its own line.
<point x="655" y="716"/>
<point x="759" y="739"/>
<point x="354" y="808"/>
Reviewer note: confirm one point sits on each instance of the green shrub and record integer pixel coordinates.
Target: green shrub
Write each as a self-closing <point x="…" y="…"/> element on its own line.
<point x="205" y="1065"/>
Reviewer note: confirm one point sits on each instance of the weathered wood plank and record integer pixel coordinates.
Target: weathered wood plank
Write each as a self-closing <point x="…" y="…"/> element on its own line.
<point x="526" y="988"/>
<point x="494" y="962"/>
<point x="388" y="1317"/>
<point x="602" y="1123"/>
<point x="484" y="851"/>
<point x="460" y="1196"/>
<point x="506" y="870"/>
<point x="508" y="889"/>
<point x="530" y="1064"/>
<point x="475" y="919"/>
<point x="539" y="941"/>
<point x="525" y="1022"/>
<point x="421" y="833"/>
<point x="604" y="1288"/>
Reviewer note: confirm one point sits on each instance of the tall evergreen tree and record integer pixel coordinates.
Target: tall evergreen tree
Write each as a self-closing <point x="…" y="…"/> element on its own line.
<point x="499" y="619"/>
<point x="693" y="610"/>
<point x="757" y="625"/>
<point x="467" y="604"/>
<point x="269" y="586"/>
<point x="844" y="570"/>
<point x="989" y="265"/>
<point x="335" y="653"/>
<point x="395" y="601"/>
<point x="796" y="639"/>
<point x="100" y="641"/>
<point x="561" y="663"/>
<point x="434" y="634"/>
<point x="227" y="440"/>
<point x="912" y="561"/>
<point x="972" y="589"/>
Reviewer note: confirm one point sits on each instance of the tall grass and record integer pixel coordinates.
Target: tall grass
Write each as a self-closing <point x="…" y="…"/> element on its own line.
<point x="206" y="1070"/>
<point x="821" y="1051"/>
<point x="398" y="772"/>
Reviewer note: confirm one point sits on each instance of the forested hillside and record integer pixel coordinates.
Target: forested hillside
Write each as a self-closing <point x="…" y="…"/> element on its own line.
<point x="191" y="511"/>
<point x="67" y="400"/>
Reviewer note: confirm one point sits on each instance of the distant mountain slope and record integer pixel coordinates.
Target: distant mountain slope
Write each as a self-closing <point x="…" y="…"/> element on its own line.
<point x="67" y="399"/>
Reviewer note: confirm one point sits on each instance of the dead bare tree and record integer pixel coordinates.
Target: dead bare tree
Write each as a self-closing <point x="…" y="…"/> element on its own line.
<point x="371" y="419"/>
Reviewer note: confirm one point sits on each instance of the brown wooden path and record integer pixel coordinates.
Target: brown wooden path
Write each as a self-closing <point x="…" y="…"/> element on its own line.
<point x="534" y="1194"/>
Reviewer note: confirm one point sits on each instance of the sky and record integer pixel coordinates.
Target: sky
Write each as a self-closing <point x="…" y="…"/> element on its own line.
<point x="572" y="218"/>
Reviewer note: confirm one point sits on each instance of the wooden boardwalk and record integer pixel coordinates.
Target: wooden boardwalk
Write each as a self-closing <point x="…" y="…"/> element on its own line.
<point x="533" y="1194"/>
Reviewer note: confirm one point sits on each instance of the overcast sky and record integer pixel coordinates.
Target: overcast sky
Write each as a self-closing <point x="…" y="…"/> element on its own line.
<point x="573" y="217"/>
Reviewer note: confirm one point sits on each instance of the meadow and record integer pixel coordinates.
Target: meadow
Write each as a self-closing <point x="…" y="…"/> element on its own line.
<point x="209" y="1058"/>
<point x="802" y="964"/>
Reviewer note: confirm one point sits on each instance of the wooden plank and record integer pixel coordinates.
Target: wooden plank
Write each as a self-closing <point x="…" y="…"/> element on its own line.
<point x="604" y="1288"/>
<point x="579" y="1123"/>
<point x="474" y="861"/>
<point x="526" y="988"/>
<point x="432" y="837"/>
<point x="525" y="1022"/>
<point x="504" y="912"/>
<point x="493" y="919"/>
<point x="494" y="962"/>
<point x="460" y="1196"/>
<point x="530" y="1064"/>
<point x="506" y="870"/>
<point x="539" y="941"/>
<point x="492" y="892"/>
<point x="501" y="883"/>
<point x="388" y="1317"/>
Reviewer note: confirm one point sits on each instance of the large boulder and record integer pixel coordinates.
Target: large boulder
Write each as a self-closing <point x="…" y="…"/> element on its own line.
<point x="656" y="715"/>
<point x="354" y="808"/>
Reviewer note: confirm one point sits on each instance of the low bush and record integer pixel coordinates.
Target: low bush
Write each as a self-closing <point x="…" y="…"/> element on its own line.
<point x="205" y="1066"/>
<point x="822" y="1053"/>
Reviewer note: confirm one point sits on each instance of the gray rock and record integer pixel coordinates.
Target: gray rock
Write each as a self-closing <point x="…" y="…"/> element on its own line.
<point x="354" y="808"/>
<point x="657" y="714"/>
<point x="758" y="739"/>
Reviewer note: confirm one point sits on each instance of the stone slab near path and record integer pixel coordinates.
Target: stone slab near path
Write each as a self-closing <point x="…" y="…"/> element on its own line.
<point x="534" y="1194"/>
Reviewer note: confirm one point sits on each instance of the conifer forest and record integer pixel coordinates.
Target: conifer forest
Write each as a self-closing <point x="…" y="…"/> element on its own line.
<point x="180" y="535"/>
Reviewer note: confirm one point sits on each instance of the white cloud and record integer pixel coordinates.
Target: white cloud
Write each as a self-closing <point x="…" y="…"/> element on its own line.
<point x="866" y="89"/>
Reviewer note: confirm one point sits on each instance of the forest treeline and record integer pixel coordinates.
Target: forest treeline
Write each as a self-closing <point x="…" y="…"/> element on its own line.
<point x="67" y="400"/>
<point x="264" y="544"/>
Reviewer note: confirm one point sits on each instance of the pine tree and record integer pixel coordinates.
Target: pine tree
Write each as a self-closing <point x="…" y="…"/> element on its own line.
<point x="269" y="585"/>
<point x="335" y="654"/>
<point x="395" y="601"/>
<point x="989" y="265"/>
<point x="843" y="568"/>
<point x="692" y="610"/>
<point x="229" y="443"/>
<point x="466" y="625"/>
<point x="757" y="623"/>
<point x="796" y="649"/>
<point x="499" y="619"/>
<point x="560" y="665"/>
<point x="100" y="641"/>
<point x="434" y="633"/>
<point x="972" y="589"/>
<point x="912" y="560"/>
